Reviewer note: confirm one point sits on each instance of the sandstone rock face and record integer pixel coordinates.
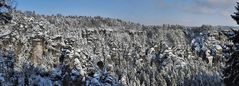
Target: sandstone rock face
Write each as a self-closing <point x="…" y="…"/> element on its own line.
<point x="72" y="50"/>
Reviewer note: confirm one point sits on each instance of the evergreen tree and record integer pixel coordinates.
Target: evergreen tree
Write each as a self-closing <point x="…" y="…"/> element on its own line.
<point x="236" y="14"/>
<point x="6" y="9"/>
<point x="231" y="72"/>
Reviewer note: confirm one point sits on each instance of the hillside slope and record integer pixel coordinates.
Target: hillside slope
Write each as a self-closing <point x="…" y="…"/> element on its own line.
<point x="79" y="50"/>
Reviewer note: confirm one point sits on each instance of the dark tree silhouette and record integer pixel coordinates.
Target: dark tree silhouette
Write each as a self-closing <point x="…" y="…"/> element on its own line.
<point x="231" y="72"/>
<point x="236" y="14"/>
<point x="6" y="9"/>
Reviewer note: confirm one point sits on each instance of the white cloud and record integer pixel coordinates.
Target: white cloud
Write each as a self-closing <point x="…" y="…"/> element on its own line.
<point x="197" y="12"/>
<point x="215" y="3"/>
<point x="206" y="7"/>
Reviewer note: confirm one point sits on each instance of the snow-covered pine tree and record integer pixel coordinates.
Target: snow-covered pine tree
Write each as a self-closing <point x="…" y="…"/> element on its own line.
<point x="231" y="72"/>
<point x="236" y="14"/>
<point x="6" y="9"/>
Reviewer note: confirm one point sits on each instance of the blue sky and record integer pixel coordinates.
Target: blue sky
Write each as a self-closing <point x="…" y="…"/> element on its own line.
<point x="149" y="12"/>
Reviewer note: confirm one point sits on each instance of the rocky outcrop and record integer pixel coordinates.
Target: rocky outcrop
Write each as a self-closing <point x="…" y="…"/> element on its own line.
<point x="78" y="50"/>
